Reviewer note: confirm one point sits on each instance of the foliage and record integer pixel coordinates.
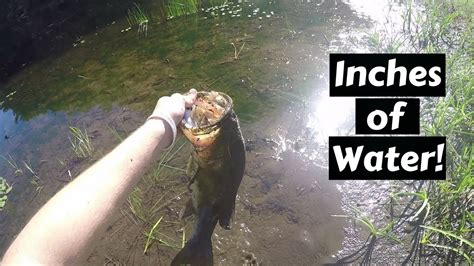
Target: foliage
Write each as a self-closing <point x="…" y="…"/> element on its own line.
<point x="13" y="164"/>
<point x="177" y="8"/>
<point x="137" y="17"/>
<point x="438" y="214"/>
<point x="5" y="188"/>
<point x="80" y="142"/>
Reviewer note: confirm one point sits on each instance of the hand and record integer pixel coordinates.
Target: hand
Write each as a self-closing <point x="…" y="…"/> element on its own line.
<point x="175" y="105"/>
<point x="171" y="111"/>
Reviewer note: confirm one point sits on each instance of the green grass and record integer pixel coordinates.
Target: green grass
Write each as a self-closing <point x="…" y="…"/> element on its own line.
<point x="440" y="212"/>
<point x="137" y="17"/>
<point x="150" y="235"/>
<point x="135" y="201"/>
<point x="385" y="232"/>
<point x="148" y="203"/>
<point x="17" y="170"/>
<point x="5" y="188"/>
<point x="154" y="235"/>
<point x="115" y="133"/>
<point x="177" y="8"/>
<point x="35" y="179"/>
<point x="81" y="143"/>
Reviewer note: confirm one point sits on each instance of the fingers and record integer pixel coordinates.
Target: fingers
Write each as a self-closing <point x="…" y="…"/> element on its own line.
<point x="190" y="97"/>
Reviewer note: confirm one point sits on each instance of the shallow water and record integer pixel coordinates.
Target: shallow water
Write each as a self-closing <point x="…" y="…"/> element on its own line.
<point x="109" y="81"/>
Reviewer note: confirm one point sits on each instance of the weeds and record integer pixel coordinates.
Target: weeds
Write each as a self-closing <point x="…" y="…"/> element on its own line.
<point x="135" y="203"/>
<point x="35" y="179"/>
<point x="446" y="228"/>
<point x="115" y="133"/>
<point x="237" y="53"/>
<point x="437" y="215"/>
<point x="375" y="231"/>
<point x="13" y="164"/>
<point x="30" y="169"/>
<point x="167" y="243"/>
<point x="143" y="208"/>
<point x="138" y="17"/>
<point x="177" y="8"/>
<point x="150" y="234"/>
<point x="440" y="211"/>
<point x="5" y="188"/>
<point x="81" y="142"/>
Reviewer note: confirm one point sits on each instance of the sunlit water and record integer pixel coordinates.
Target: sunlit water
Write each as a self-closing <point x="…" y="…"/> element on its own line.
<point x="109" y="81"/>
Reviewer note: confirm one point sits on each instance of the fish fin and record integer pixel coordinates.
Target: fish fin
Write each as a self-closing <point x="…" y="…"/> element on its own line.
<point x="237" y="157"/>
<point x="198" y="250"/>
<point x="195" y="253"/>
<point x="187" y="210"/>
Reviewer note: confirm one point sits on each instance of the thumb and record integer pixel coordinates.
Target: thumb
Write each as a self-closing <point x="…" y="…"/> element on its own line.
<point x="190" y="98"/>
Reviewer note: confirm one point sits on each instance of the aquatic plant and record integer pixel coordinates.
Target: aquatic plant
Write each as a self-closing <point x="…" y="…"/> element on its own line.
<point x="115" y="133"/>
<point x="177" y="8"/>
<point x="5" y="188"/>
<point x="150" y="234"/>
<point x="35" y="179"/>
<point x="237" y="53"/>
<point x="29" y="167"/>
<point x="375" y="231"/>
<point x="135" y="205"/>
<point x="80" y="142"/>
<point x="137" y="17"/>
<point x="154" y="235"/>
<point x="13" y="164"/>
<point x="166" y="159"/>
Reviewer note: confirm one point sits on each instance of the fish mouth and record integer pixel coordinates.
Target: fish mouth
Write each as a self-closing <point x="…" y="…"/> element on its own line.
<point x="202" y="123"/>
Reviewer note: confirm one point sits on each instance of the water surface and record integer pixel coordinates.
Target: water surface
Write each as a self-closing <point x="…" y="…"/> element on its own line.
<point x="109" y="81"/>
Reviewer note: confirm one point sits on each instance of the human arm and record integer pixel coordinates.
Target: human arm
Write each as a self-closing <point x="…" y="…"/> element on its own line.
<point x="62" y="229"/>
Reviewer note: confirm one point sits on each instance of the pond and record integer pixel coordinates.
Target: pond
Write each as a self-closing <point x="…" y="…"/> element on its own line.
<point x="271" y="57"/>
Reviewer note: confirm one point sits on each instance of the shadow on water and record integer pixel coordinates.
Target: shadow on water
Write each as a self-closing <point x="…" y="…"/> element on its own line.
<point x="35" y="30"/>
<point x="272" y="60"/>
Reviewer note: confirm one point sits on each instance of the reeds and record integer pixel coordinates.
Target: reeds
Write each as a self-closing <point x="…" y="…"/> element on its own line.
<point x="137" y="17"/>
<point x="35" y="179"/>
<point x="17" y="170"/>
<point x="81" y="142"/>
<point x="177" y="8"/>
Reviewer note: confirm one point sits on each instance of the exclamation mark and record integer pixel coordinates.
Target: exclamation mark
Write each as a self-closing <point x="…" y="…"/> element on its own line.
<point x="439" y="167"/>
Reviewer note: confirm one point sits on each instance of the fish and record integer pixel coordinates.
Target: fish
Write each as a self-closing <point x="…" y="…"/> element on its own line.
<point x="215" y="168"/>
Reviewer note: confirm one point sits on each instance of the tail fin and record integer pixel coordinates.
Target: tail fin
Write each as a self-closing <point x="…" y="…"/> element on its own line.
<point x="195" y="253"/>
<point x="198" y="250"/>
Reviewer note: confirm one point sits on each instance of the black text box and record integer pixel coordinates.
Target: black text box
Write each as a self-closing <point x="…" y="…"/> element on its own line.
<point x="433" y="65"/>
<point x="408" y="123"/>
<point x="424" y="147"/>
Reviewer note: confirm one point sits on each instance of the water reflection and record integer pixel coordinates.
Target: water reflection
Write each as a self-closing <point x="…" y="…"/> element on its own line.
<point x="332" y="116"/>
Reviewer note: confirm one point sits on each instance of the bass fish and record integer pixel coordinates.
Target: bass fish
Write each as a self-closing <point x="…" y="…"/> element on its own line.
<point x="216" y="168"/>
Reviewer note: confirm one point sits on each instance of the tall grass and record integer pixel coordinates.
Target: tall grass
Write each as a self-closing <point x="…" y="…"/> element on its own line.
<point x="435" y="218"/>
<point x="177" y="8"/>
<point x="137" y="17"/>
<point x="17" y="170"/>
<point x="446" y="226"/>
<point x="80" y="142"/>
